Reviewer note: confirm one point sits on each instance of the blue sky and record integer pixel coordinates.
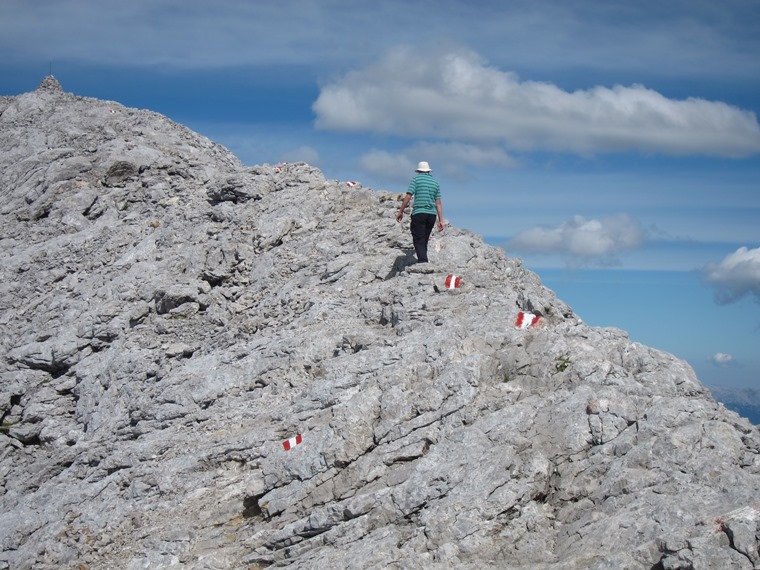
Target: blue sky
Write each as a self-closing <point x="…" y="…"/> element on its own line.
<point x="614" y="146"/>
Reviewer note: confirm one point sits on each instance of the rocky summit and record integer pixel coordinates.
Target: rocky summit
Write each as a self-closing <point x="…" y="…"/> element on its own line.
<point x="207" y="365"/>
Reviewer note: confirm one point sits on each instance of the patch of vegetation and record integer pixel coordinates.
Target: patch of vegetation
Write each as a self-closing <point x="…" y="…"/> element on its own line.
<point x="562" y="362"/>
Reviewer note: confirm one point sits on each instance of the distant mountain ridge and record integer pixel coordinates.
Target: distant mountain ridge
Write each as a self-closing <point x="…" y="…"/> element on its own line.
<point x="205" y="365"/>
<point x="744" y="401"/>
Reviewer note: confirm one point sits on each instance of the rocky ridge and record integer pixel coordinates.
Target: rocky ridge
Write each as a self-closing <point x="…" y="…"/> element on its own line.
<point x="170" y="318"/>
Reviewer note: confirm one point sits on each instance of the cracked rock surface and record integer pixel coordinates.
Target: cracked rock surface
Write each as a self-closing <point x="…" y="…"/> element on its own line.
<point x="170" y="317"/>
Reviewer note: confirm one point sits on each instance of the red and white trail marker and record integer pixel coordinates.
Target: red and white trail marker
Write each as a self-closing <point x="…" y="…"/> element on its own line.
<point x="289" y="444"/>
<point x="351" y="184"/>
<point x="525" y="320"/>
<point x="453" y="282"/>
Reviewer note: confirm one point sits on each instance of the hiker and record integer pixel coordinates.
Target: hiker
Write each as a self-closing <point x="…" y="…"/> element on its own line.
<point x="427" y="203"/>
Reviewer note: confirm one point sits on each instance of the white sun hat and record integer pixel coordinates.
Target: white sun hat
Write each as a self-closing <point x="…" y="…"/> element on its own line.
<point x="423" y="167"/>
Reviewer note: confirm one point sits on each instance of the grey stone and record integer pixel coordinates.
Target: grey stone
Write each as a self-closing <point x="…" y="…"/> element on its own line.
<point x="170" y="317"/>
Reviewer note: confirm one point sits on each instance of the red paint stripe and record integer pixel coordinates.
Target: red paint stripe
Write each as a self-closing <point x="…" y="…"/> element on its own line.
<point x="289" y="444"/>
<point x="526" y="320"/>
<point x="453" y="282"/>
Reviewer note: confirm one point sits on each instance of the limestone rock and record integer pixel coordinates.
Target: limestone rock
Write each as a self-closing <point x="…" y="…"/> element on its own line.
<point x="170" y="317"/>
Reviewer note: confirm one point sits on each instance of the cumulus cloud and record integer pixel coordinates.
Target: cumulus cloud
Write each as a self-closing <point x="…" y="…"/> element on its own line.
<point x="451" y="155"/>
<point x="583" y="241"/>
<point x="397" y="167"/>
<point x="457" y="95"/>
<point x="737" y="275"/>
<point x="722" y="359"/>
<point x="451" y="158"/>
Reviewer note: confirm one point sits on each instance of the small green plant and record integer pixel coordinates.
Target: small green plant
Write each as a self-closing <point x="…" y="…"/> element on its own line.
<point x="562" y="362"/>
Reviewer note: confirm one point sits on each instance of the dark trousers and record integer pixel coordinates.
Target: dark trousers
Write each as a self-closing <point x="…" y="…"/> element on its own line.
<point x="422" y="226"/>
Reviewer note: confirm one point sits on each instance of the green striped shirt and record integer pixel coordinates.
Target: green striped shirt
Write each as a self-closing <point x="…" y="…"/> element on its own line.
<point x="425" y="190"/>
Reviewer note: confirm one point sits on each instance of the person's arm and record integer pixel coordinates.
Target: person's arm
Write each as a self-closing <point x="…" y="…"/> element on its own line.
<point x="439" y="208"/>
<point x="404" y="204"/>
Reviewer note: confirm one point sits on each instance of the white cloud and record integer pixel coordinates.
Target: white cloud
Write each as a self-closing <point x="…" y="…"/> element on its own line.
<point x="722" y="359"/>
<point x="737" y="275"/>
<point x="456" y="157"/>
<point x="456" y="95"/>
<point x="582" y="241"/>
<point x="395" y="167"/>
<point x="453" y="159"/>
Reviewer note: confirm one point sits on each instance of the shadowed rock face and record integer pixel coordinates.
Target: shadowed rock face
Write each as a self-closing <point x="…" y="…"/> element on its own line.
<point x="171" y="317"/>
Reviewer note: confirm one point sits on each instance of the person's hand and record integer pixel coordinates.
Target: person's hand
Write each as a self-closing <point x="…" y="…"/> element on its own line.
<point x="440" y="225"/>
<point x="399" y="215"/>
